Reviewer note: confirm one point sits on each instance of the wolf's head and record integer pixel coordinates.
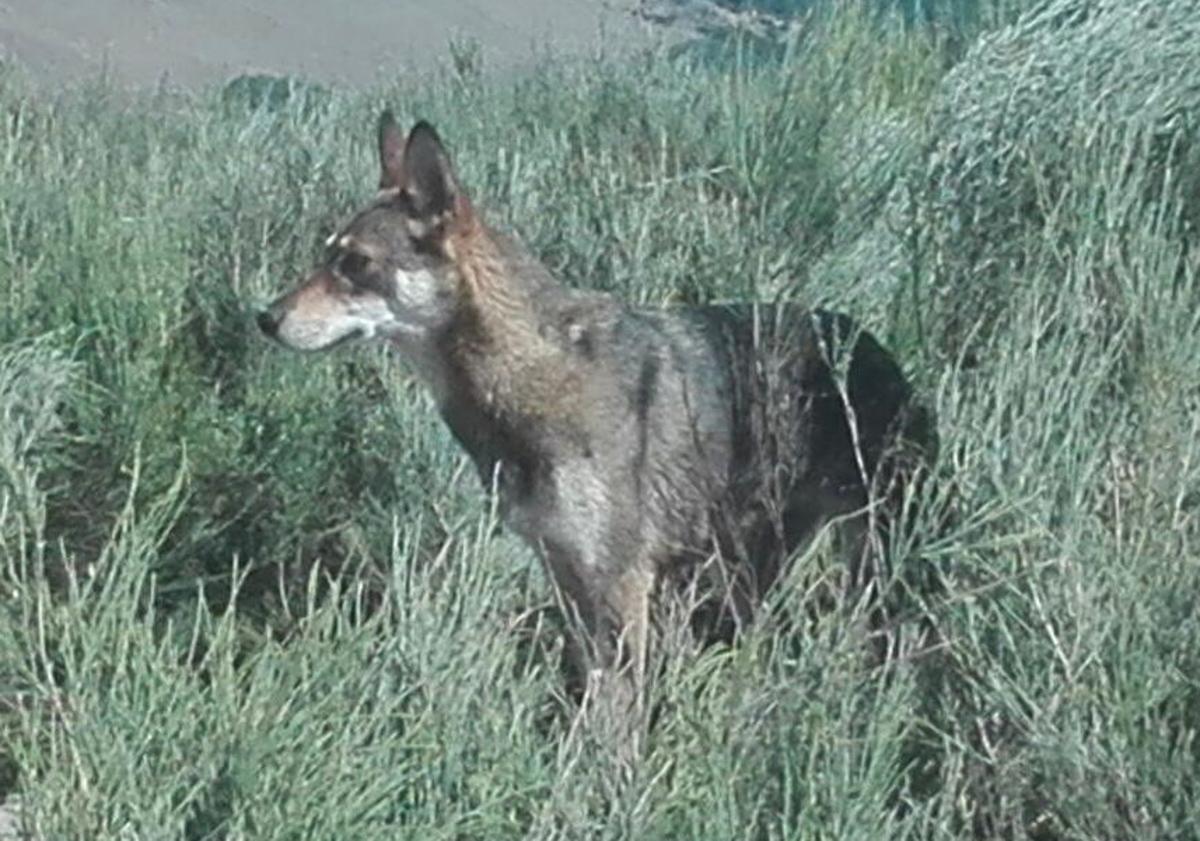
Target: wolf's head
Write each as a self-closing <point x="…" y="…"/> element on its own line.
<point x="390" y="273"/>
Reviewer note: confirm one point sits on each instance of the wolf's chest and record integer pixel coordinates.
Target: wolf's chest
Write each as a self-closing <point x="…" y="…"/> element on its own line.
<point x="566" y="506"/>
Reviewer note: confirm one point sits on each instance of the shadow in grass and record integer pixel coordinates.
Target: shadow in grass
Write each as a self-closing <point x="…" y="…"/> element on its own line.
<point x="270" y="94"/>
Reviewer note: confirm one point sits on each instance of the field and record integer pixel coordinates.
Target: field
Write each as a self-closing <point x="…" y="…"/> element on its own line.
<point x="247" y="594"/>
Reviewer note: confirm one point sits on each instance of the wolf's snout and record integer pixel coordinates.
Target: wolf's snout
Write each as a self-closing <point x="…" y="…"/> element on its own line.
<point x="268" y="321"/>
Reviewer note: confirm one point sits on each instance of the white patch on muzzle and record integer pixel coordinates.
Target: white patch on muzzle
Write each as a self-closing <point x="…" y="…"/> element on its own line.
<point x="351" y="321"/>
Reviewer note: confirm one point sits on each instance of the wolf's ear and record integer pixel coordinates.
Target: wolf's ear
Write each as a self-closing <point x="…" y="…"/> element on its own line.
<point x="391" y="152"/>
<point x="429" y="179"/>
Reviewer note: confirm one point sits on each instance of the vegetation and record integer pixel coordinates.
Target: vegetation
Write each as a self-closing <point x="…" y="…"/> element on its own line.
<point x="249" y="595"/>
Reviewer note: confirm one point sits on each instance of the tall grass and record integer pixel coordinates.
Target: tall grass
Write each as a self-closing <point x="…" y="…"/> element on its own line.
<point x="245" y="594"/>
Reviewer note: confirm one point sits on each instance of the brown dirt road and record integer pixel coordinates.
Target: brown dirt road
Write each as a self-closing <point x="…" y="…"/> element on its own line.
<point x="188" y="43"/>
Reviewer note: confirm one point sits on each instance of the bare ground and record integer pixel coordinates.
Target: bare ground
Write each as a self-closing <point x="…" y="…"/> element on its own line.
<point x="187" y="43"/>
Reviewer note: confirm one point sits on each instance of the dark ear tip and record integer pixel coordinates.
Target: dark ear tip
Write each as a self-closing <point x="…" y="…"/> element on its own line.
<point x="386" y="119"/>
<point x="423" y="130"/>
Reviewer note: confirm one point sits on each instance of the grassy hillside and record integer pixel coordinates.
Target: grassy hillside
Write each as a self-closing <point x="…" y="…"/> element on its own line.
<point x="251" y="595"/>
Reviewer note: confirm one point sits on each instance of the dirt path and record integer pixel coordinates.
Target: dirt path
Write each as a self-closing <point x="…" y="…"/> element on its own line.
<point x="190" y="43"/>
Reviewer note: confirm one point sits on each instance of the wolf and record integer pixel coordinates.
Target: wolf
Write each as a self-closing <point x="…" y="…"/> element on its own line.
<point x="636" y="451"/>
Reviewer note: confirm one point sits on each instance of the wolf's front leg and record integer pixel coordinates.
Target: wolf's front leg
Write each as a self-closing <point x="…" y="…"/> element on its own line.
<point x="608" y="614"/>
<point x="628" y="603"/>
<point x="614" y="704"/>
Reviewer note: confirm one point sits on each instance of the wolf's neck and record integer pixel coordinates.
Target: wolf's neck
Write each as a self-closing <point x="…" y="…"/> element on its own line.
<point x="503" y="376"/>
<point x="492" y="399"/>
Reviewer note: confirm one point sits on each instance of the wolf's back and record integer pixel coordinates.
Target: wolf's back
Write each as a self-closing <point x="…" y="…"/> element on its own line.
<point x="806" y="390"/>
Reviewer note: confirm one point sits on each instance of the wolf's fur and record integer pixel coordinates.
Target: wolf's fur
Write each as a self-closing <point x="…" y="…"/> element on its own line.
<point x="629" y="447"/>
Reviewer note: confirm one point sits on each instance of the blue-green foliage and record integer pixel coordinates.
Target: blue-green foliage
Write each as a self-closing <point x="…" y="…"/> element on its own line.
<point x="941" y="12"/>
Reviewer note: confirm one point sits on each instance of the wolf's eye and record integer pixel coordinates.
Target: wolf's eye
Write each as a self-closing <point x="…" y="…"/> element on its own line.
<point x="352" y="264"/>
